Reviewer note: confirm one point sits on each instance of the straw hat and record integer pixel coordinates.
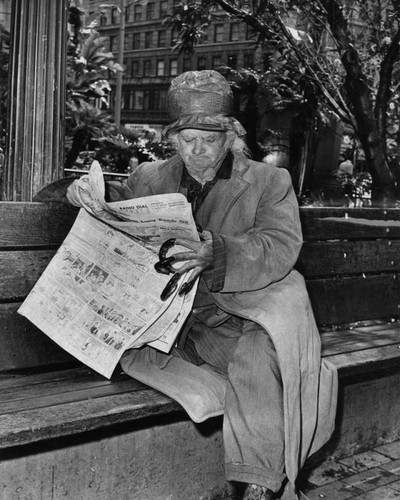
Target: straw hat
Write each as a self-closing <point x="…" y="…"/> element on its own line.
<point x="201" y="100"/>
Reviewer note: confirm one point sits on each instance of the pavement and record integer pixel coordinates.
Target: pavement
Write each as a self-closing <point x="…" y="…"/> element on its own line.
<point x="371" y="475"/>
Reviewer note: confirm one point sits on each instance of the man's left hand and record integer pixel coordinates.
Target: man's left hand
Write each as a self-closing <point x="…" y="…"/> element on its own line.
<point x="197" y="259"/>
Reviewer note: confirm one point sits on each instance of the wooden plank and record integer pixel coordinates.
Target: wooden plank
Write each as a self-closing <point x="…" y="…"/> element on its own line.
<point x="19" y="271"/>
<point x="55" y="394"/>
<point x="23" y="345"/>
<point x="328" y="223"/>
<point x="367" y="360"/>
<point x="348" y="299"/>
<point x="324" y="258"/>
<point x="25" y="224"/>
<point x="71" y="418"/>
<point x="348" y="341"/>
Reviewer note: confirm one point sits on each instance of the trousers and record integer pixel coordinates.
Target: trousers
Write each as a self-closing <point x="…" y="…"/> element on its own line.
<point x="253" y="426"/>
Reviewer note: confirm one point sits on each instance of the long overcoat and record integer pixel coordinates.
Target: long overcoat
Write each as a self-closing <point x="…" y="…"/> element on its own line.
<point x="256" y="213"/>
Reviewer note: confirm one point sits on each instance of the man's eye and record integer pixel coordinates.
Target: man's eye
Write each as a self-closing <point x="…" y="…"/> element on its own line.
<point x="189" y="139"/>
<point x="211" y="140"/>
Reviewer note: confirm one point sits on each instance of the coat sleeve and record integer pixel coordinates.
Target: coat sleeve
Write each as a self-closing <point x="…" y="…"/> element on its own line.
<point x="267" y="251"/>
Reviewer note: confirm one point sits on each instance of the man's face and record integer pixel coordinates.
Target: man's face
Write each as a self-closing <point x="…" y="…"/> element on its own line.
<point x="201" y="148"/>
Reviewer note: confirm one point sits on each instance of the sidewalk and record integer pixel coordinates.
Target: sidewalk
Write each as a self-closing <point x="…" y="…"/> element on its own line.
<point x="372" y="475"/>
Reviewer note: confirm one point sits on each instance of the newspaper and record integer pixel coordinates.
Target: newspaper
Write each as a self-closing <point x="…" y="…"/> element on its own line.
<point x="100" y="294"/>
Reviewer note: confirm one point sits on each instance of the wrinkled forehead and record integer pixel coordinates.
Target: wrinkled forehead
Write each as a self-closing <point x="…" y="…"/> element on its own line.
<point x="193" y="133"/>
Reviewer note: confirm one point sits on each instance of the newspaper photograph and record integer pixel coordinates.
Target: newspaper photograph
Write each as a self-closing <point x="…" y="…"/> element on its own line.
<point x="100" y="294"/>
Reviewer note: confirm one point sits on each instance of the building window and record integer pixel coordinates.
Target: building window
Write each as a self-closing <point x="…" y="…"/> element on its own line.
<point x="126" y="99"/>
<point x="138" y="99"/>
<point x="103" y="20"/>
<point x="234" y="32"/>
<point x="150" y="11"/>
<point x="163" y="106"/>
<point x="148" y="40"/>
<point x="173" y="67"/>
<point x="162" y="38"/>
<point x="248" y="60"/>
<point x="134" y="68"/>
<point x="232" y="61"/>
<point x="201" y="63"/>
<point x="146" y="68"/>
<point x="114" y="12"/>
<point x="128" y="13"/>
<point x="113" y="43"/>
<point x="136" y="41"/>
<point x="174" y="36"/>
<point x="137" y="13"/>
<point x="187" y="64"/>
<point x="250" y="33"/>
<point x="216" y="62"/>
<point x="146" y="99"/>
<point x="127" y="42"/>
<point x="218" y="33"/>
<point x="163" y="9"/>
<point x="160" y="68"/>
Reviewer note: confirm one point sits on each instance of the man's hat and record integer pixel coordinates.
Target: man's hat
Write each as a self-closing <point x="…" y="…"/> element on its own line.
<point x="201" y="100"/>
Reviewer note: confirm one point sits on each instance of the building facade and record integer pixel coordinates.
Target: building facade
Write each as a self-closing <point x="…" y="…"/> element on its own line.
<point x="148" y="57"/>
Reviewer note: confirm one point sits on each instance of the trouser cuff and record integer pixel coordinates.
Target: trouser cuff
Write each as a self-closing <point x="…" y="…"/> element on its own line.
<point x="251" y="474"/>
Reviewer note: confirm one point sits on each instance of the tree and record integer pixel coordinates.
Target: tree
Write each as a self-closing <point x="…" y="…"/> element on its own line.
<point x="343" y="53"/>
<point x="88" y="65"/>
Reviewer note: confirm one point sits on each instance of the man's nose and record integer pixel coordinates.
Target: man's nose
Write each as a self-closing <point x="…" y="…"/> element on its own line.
<point x="198" y="146"/>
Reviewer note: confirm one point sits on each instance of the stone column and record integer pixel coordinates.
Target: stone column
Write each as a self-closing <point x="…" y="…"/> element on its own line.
<point x="35" y="146"/>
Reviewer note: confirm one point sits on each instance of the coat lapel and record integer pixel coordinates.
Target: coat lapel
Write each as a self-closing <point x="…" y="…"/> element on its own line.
<point x="223" y="196"/>
<point x="169" y="176"/>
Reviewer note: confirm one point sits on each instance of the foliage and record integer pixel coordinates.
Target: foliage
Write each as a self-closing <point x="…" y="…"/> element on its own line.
<point x="356" y="187"/>
<point x="91" y="133"/>
<point x="87" y="86"/>
<point x="333" y="56"/>
<point x="122" y="149"/>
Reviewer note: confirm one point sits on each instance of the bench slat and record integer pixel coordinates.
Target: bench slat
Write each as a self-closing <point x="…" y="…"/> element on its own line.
<point x="329" y="223"/>
<point x="348" y="299"/>
<point x="23" y="345"/>
<point x="366" y="360"/>
<point x="71" y="418"/>
<point x="34" y="224"/>
<point x="19" y="271"/>
<point x="350" y="341"/>
<point x="324" y="258"/>
<point x="49" y="395"/>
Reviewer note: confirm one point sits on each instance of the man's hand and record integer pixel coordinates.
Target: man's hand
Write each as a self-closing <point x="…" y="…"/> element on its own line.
<point x="197" y="259"/>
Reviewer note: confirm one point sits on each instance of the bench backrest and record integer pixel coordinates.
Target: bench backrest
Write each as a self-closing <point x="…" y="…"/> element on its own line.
<point x="351" y="261"/>
<point x="29" y="236"/>
<point x="350" y="258"/>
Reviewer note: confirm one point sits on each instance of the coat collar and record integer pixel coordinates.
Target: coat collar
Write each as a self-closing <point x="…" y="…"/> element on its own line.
<point x="222" y="198"/>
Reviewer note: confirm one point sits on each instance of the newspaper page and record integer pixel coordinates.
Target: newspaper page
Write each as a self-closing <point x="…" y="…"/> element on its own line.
<point x="100" y="294"/>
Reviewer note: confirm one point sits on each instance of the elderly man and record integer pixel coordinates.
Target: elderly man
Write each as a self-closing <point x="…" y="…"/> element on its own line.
<point x="252" y="331"/>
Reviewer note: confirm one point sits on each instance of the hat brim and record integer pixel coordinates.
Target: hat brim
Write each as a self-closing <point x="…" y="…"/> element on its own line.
<point x="218" y="123"/>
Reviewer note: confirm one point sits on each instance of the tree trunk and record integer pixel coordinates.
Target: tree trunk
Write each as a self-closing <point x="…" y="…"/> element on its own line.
<point x="383" y="184"/>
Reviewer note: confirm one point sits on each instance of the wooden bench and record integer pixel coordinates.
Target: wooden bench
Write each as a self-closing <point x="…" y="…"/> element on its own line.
<point x="66" y="432"/>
